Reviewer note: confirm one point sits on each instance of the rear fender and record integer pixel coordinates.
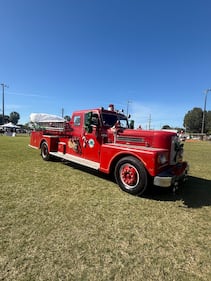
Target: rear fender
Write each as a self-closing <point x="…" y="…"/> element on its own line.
<point x="52" y="143"/>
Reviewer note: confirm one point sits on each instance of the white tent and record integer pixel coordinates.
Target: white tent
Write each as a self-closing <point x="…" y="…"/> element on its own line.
<point x="10" y="125"/>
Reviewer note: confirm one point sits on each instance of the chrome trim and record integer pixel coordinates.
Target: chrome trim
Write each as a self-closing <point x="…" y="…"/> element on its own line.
<point x="78" y="160"/>
<point x="162" y="181"/>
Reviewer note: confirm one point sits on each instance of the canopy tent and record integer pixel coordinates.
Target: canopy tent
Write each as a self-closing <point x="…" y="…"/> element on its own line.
<point x="10" y="129"/>
<point x="10" y="125"/>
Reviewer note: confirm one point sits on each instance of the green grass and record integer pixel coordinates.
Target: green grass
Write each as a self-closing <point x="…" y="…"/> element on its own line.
<point x="58" y="222"/>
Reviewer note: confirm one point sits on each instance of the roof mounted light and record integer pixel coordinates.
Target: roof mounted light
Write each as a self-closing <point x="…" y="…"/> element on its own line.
<point x="111" y="107"/>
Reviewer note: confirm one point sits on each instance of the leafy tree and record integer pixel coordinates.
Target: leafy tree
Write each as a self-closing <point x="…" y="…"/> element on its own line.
<point x="193" y="120"/>
<point x="67" y="117"/>
<point x="208" y="122"/>
<point x="6" y="119"/>
<point x="166" y="127"/>
<point x="14" y="117"/>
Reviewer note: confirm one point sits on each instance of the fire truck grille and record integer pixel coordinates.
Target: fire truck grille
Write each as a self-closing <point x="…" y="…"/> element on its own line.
<point x="130" y="139"/>
<point x="175" y="149"/>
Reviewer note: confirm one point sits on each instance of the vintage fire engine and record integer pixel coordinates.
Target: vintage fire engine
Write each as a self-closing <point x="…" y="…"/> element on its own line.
<point x="103" y="140"/>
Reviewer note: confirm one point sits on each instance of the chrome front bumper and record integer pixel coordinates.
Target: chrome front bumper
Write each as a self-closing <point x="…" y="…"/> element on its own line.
<point x="172" y="176"/>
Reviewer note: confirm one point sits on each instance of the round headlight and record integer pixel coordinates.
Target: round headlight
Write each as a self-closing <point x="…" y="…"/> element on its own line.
<point x="162" y="159"/>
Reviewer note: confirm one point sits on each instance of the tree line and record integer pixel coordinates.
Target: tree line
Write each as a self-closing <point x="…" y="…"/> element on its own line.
<point x="193" y="121"/>
<point x="194" y="118"/>
<point x="13" y="117"/>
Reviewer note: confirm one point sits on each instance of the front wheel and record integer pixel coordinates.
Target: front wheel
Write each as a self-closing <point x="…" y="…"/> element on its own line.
<point x="44" y="151"/>
<point x="131" y="175"/>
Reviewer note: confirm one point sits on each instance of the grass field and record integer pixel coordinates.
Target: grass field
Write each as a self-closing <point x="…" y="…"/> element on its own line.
<point x="58" y="222"/>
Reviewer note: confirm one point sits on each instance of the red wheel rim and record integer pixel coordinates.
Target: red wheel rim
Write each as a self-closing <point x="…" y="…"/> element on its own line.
<point x="129" y="176"/>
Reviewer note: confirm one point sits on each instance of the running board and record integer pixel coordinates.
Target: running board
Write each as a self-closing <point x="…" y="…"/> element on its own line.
<point x="78" y="160"/>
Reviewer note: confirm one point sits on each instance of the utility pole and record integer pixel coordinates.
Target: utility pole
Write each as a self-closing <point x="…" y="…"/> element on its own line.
<point x="205" y="103"/>
<point x="149" y="121"/>
<point x="128" y="102"/>
<point x="3" y="86"/>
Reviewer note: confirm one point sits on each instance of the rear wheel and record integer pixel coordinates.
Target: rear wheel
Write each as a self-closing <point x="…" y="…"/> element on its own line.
<point x="44" y="151"/>
<point x="131" y="175"/>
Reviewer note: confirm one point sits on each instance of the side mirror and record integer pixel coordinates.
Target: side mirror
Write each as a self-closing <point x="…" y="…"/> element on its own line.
<point x="131" y="126"/>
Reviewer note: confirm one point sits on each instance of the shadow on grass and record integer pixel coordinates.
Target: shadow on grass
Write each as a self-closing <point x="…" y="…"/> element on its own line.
<point x="195" y="193"/>
<point x="86" y="170"/>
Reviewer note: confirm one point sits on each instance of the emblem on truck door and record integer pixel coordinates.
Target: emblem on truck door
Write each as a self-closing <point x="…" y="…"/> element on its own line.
<point x="91" y="143"/>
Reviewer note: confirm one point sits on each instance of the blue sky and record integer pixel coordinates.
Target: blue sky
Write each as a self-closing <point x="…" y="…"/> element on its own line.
<point x="152" y="56"/>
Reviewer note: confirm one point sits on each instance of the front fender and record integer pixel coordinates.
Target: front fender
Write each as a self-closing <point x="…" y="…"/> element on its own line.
<point x="111" y="153"/>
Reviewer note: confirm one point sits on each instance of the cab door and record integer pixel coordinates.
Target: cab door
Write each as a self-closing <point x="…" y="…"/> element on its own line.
<point x="91" y="138"/>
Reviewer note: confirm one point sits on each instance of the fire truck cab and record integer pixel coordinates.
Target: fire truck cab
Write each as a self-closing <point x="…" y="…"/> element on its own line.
<point x="103" y="140"/>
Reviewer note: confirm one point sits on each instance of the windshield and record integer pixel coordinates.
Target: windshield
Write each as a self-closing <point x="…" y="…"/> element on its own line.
<point x="109" y="120"/>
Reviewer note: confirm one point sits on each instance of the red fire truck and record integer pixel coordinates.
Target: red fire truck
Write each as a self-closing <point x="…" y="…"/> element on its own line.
<point x="103" y="140"/>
